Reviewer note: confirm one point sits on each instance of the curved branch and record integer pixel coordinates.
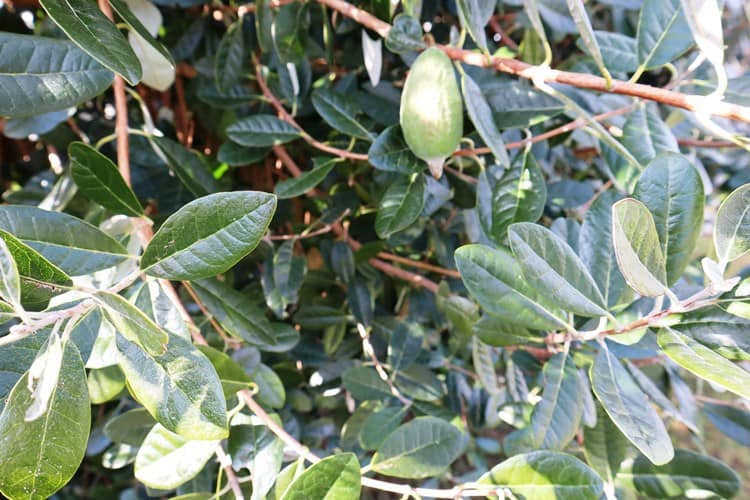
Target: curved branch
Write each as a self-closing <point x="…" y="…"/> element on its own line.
<point x="580" y="80"/>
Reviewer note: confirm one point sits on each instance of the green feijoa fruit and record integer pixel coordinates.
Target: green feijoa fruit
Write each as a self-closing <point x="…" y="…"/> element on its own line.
<point x="431" y="109"/>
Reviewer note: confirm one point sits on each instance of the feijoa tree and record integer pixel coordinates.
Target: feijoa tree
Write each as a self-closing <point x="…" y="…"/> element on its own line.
<point x="320" y="249"/>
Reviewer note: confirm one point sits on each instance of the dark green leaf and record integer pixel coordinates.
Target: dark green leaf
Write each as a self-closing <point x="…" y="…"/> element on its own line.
<point x="663" y="33"/>
<point x="517" y="104"/>
<point x="334" y="477"/>
<point x="40" y="280"/>
<point x="180" y="388"/>
<point x="189" y="166"/>
<point x="422" y="447"/>
<point x="209" y="235"/>
<point x="38" y="458"/>
<point x="553" y="269"/>
<point x="240" y="317"/>
<point x="618" y="51"/>
<point x="557" y="417"/>
<point x="364" y="383"/>
<point x="297" y="186"/>
<point x="495" y="280"/>
<point x="389" y="152"/>
<point x="703" y="362"/>
<point x="90" y="29"/>
<point x="340" y="112"/>
<point x="235" y="155"/>
<point x="731" y="421"/>
<point x="71" y="244"/>
<point x="672" y="190"/>
<point x="400" y="206"/>
<point x="40" y="75"/>
<point x="379" y="425"/>
<point x="405" y="35"/>
<point x="596" y="250"/>
<point x="405" y="344"/>
<point x="629" y="408"/>
<point x="516" y="195"/>
<point x="497" y="332"/>
<point x="262" y="130"/>
<point x="99" y="179"/>
<point x="689" y="475"/>
<point x="419" y="382"/>
<point x="481" y="116"/>
<point x="645" y="134"/>
<point x="546" y="475"/>
<point x="604" y="446"/>
<point x="230" y="57"/>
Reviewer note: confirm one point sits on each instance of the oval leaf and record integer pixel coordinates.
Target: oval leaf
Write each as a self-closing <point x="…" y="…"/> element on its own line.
<point x="400" y="206"/>
<point x="333" y="477"/>
<point x="180" y="388"/>
<point x="732" y="228"/>
<point x="423" y="447"/>
<point x="703" y="362"/>
<point x="494" y="279"/>
<point x="38" y="458"/>
<point x="40" y="75"/>
<point x="166" y="460"/>
<point x="672" y="190"/>
<point x="209" y="235"/>
<point x="340" y="112"/>
<point x="546" y="475"/>
<point x="90" y="29"/>
<point x="637" y="248"/>
<point x="262" y="130"/>
<point x="688" y="475"/>
<point x="554" y="270"/>
<point x="629" y="408"/>
<point x="73" y="245"/>
<point x="99" y="179"/>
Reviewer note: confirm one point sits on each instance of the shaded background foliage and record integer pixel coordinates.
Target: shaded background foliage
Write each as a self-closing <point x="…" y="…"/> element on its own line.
<point x="356" y="322"/>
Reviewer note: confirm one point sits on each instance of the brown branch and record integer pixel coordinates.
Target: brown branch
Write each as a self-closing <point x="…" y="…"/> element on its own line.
<point x="402" y="489"/>
<point x="226" y="463"/>
<point x="394" y="271"/>
<point x="419" y="264"/>
<point x="121" y="112"/>
<point x="562" y="129"/>
<point x="284" y="115"/>
<point x="580" y="80"/>
<point x="706" y="143"/>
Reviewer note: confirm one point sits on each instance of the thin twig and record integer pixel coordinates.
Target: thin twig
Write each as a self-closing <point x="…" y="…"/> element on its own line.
<point x="419" y="264"/>
<point x="370" y="352"/>
<point x="284" y="115"/>
<point x="226" y="463"/>
<point x="562" y="129"/>
<point x="474" y="490"/>
<point x="394" y="271"/>
<point x="215" y="324"/>
<point x="121" y="112"/>
<point x="580" y="80"/>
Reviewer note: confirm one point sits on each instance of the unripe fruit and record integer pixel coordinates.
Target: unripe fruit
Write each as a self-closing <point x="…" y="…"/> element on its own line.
<point x="431" y="109"/>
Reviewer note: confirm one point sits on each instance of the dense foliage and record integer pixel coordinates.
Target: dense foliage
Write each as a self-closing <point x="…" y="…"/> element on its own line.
<point x="318" y="249"/>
